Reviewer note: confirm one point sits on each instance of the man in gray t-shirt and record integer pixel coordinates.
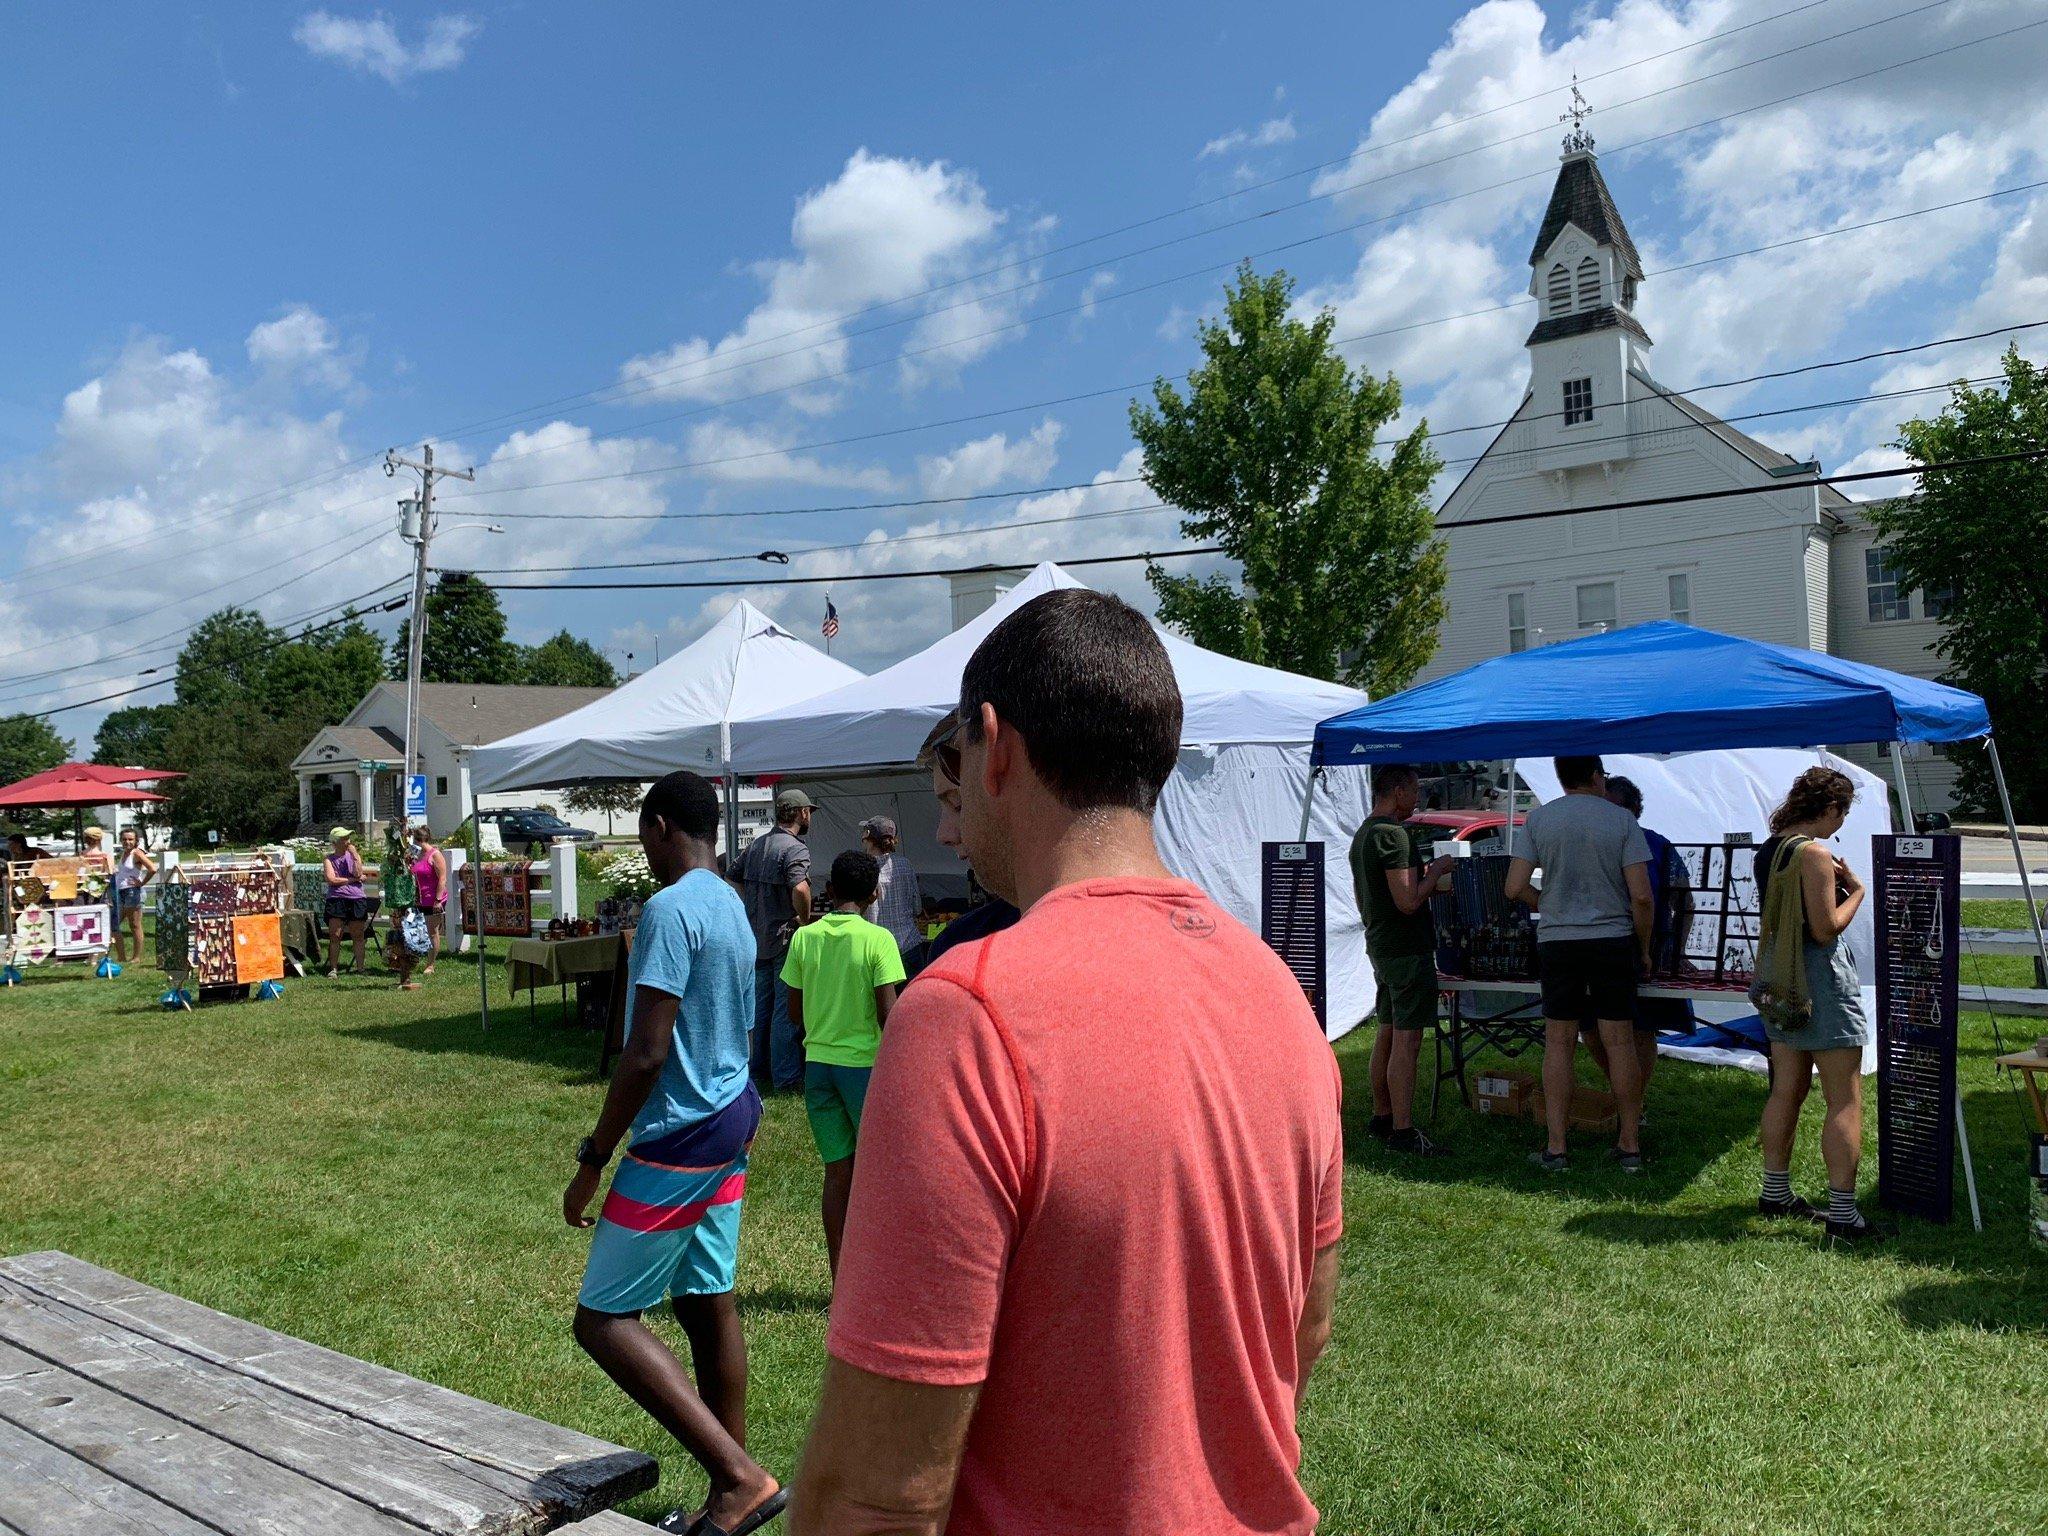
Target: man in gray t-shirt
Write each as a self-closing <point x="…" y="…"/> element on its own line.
<point x="774" y="876"/>
<point x="1594" y="919"/>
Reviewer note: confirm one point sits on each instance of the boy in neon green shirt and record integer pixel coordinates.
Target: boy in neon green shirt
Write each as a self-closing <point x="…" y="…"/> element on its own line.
<point x="842" y="974"/>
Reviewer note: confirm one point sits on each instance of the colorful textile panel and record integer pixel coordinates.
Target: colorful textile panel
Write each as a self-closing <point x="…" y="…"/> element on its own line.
<point x="35" y="935"/>
<point x="213" y="950"/>
<point x="83" y="930"/>
<point x="259" y="948"/>
<point x="174" y="929"/>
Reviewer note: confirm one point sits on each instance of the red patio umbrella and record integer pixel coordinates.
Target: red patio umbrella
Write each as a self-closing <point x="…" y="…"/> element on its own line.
<point x="76" y="786"/>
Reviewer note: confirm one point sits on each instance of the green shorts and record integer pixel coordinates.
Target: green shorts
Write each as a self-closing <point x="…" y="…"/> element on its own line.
<point x="1407" y="990"/>
<point x="832" y="1101"/>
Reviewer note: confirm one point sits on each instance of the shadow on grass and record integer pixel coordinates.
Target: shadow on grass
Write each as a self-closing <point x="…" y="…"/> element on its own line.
<point x="2003" y="1300"/>
<point x="783" y="1299"/>
<point x="544" y="1039"/>
<point x="1695" y="1115"/>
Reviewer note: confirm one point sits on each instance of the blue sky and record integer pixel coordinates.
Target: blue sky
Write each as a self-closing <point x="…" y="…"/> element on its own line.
<point x="253" y="244"/>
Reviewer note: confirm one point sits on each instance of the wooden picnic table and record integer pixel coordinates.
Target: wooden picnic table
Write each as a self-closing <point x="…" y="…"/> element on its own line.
<point x="125" y="1409"/>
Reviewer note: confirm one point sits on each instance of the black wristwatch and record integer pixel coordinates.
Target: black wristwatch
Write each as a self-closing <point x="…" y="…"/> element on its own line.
<point x="588" y="1155"/>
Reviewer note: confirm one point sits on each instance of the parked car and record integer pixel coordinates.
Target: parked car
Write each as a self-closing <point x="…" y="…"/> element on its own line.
<point x="1486" y="831"/>
<point x="530" y="831"/>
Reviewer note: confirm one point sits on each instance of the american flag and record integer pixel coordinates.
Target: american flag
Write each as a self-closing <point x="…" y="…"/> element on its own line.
<point x="830" y="628"/>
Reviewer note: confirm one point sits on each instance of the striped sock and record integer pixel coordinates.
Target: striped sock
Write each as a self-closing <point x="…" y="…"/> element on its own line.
<point x="1842" y="1207"/>
<point x="1778" y="1186"/>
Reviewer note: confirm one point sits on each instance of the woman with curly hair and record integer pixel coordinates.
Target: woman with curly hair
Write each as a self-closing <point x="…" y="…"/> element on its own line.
<point x="1808" y="993"/>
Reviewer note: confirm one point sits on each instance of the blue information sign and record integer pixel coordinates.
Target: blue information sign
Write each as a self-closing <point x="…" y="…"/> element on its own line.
<point x="416" y="795"/>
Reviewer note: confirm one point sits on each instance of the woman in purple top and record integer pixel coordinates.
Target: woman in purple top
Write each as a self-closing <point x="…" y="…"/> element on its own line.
<point x="430" y="874"/>
<point x="346" y="905"/>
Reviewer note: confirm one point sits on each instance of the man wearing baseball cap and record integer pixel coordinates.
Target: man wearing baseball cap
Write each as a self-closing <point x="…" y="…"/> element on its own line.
<point x="898" y="901"/>
<point x="775" y="880"/>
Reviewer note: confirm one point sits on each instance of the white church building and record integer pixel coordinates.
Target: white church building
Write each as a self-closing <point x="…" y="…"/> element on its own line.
<point x="1795" y="566"/>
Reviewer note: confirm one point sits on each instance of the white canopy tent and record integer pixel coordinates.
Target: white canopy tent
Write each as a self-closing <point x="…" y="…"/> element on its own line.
<point x="1243" y="771"/>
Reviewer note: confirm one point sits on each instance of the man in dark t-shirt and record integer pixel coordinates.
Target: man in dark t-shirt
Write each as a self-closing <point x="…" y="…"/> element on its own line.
<point x="1393" y="884"/>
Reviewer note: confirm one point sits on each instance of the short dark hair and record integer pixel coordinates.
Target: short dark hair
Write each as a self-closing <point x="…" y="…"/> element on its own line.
<point x="1388" y="777"/>
<point x="855" y="877"/>
<point x="687" y="802"/>
<point x="1623" y="792"/>
<point x="1576" y="772"/>
<point x="1084" y="679"/>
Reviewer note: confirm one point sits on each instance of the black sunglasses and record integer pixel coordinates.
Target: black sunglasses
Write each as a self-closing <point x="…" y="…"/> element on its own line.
<point x="942" y="751"/>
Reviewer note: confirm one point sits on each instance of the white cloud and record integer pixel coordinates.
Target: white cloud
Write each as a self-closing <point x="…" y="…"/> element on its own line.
<point x="1273" y="131"/>
<point x="884" y="229"/>
<point x="735" y="454"/>
<point x="990" y="461"/>
<point x="372" y="44"/>
<point x="300" y="344"/>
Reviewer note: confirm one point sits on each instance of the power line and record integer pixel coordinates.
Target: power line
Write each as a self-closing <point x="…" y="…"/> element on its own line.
<point x="615" y="393"/>
<point x="1807" y="483"/>
<point x="1087" y="485"/>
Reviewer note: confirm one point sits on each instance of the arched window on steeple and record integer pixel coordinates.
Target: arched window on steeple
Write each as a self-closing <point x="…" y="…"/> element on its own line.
<point x="1558" y="298"/>
<point x="1589" y="284"/>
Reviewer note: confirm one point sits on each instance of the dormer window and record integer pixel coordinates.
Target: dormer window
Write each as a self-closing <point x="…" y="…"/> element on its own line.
<point x="1589" y="284"/>
<point x="1559" y="295"/>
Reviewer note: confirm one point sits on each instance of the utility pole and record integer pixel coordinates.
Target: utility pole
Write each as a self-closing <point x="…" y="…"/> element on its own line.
<point x="416" y="527"/>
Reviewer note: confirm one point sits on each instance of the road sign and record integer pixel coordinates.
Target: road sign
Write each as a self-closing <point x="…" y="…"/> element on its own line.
<point x="416" y="795"/>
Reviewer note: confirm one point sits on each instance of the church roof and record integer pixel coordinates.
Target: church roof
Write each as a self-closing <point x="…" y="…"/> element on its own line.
<point x="1607" y="317"/>
<point x="1581" y="197"/>
<point x="1761" y="454"/>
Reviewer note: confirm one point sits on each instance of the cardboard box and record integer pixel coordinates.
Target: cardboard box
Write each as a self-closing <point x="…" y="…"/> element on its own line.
<point x="1501" y="1093"/>
<point x="1592" y="1110"/>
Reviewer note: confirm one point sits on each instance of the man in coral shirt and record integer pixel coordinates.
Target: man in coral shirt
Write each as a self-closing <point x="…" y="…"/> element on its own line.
<point x="1091" y="1253"/>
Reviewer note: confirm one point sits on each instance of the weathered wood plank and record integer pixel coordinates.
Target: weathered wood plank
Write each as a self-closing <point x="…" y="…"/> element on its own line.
<point x="48" y="1492"/>
<point x="435" y="1489"/>
<point x="2030" y="1001"/>
<point x="217" y="1484"/>
<point x="610" y="1523"/>
<point x="591" y="1473"/>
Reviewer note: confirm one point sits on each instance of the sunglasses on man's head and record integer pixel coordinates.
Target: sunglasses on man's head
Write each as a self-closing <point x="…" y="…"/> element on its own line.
<point x="942" y="747"/>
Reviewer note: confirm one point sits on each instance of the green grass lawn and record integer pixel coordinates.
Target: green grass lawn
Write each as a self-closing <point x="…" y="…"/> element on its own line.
<point x="1513" y="1353"/>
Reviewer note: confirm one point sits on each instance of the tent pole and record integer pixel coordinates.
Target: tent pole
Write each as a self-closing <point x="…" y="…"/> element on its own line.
<point x="2019" y="856"/>
<point x="476" y="878"/>
<point x="1512" y="800"/>
<point x="1308" y="801"/>
<point x="1906" y="824"/>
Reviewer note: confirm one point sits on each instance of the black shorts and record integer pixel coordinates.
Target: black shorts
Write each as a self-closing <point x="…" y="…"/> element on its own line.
<point x="1588" y="978"/>
<point x="347" y="909"/>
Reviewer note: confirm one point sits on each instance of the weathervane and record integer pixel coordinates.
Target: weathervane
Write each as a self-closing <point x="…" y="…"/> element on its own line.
<point x="1578" y="141"/>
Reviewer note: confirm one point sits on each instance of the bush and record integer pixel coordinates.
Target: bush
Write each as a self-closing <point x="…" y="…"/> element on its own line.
<point x="627" y="873"/>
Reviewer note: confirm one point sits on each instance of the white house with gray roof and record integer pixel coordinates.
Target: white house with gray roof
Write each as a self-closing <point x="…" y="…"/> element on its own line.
<point x="1796" y="566"/>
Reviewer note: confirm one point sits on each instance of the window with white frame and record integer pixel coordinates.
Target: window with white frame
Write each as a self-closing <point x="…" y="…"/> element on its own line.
<point x="1678" y="595"/>
<point x="1881" y="587"/>
<point x="1518" y="621"/>
<point x="1936" y="601"/>
<point x="1558" y="296"/>
<point x="1589" y="284"/>
<point x="1597" y="606"/>
<point x="1578" y="402"/>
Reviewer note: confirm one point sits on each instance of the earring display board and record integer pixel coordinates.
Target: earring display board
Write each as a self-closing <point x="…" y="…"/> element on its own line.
<point x="259" y="947"/>
<point x="1917" y="882"/>
<point x="83" y="931"/>
<point x="1291" y="916"/>
<point x="507" y="899"/>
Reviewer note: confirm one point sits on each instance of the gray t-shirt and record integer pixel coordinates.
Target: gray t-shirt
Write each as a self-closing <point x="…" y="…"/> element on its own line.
<point x="1582" y="843"/>
<point x="774" y="864"/>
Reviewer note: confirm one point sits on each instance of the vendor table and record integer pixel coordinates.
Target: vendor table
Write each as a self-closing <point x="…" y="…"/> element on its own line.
<point x="1519" y="1026"/>
<point x="2027" y="1063"/>
<point x="127" y="1411"/>
<point x="533" y="963"/>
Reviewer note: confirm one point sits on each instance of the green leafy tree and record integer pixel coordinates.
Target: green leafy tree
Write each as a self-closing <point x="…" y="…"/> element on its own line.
<point x="237" y="761"/>
<point x="29" y="744"/>
<point x="564" y="662"/>
<point x="1975" y="536"/>
<point x="136" y="737"/>
<point x="613" y="799"/>
<point x="225" y="658"/>
<point x="1270" y="454"/>
<point x="325" y="672"/>
<point x="465" y="635"/>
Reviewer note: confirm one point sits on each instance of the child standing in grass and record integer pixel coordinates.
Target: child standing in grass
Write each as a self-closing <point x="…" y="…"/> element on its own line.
<point x="842" y="974"/>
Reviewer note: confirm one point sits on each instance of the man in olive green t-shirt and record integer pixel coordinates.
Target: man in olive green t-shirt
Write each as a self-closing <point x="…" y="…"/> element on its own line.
<point x="1393" y="884"/>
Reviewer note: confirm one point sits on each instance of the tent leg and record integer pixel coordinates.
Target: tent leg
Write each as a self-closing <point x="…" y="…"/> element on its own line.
<point x="1308" y="801"/>
<point x="732" y="818"/>
<point x="1899" y="778"/>
<point x="476" y="875"/>
<point x="1969" y="1168"/>
<point x="2019" y="854"/>
<point x="1512" y="800"/>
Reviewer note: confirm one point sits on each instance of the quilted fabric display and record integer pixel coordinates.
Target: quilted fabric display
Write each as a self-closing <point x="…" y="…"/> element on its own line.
<point x="256" y="892"/>
<point x="83" y="930"/>
<point x="401" y="889"/>
<point x="507" y="898"/>
<point x="213" y="950"/>
<point x="28" y="890"/>
<point x="259" y="947"/>
<point x="35" y="935"/>
<point x="174" y="929"/>
<point x="212" y="895"/>
<point x="309" y="888"/>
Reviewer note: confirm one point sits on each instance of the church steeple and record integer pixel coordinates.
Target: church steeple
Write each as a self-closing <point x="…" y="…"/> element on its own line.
<point x="1584" y="270"/>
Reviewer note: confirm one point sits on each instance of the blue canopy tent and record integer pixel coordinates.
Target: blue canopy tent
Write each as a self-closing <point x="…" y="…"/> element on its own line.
<point x="1663" y="687"/>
